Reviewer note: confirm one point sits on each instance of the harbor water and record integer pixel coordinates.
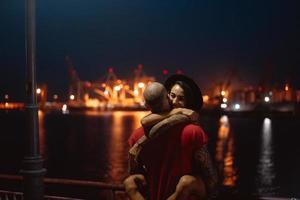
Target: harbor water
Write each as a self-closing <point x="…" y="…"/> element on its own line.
<point x="254" y="155"/>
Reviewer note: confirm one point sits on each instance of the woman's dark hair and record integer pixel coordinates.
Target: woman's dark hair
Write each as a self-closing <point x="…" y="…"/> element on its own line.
<point x="188" y="94"/>
<point x="191" y="90"/>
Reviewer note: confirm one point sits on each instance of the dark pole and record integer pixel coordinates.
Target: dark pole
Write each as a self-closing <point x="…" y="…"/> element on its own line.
<point x="32" y="170"/>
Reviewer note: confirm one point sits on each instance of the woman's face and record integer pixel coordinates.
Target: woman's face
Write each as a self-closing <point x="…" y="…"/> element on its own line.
<point x="176" y="97"/>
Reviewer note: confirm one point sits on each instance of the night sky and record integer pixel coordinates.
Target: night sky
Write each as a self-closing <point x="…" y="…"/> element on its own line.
<point x="206" y="39"/>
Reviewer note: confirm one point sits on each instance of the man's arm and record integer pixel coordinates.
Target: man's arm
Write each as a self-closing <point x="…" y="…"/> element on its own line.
<point x="206" y="170"/>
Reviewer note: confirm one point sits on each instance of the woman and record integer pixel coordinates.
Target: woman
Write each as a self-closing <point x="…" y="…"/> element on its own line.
<point x="190" y="172"/>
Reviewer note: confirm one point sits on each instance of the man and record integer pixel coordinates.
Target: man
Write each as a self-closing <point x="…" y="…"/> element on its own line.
<point x="163" y="158"/>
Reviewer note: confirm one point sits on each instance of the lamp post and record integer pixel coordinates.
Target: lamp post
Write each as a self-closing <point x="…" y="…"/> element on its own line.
<point x="32" y="169"/>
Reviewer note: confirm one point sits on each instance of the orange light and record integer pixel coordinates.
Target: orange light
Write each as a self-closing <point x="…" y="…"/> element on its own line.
<point x="205" y="98"/>
<point x="223" y="92"/>
<point x="38" y="91"/>
<point x="286" y="88"/>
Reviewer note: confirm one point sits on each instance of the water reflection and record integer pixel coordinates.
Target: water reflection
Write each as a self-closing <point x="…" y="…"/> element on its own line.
<point x="225" y="152"/>
<point x="265" y="171"/>
<point x="122" y="122"/>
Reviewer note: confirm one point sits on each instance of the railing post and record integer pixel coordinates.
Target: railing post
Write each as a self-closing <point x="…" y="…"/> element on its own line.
<point x="32" y="170"/>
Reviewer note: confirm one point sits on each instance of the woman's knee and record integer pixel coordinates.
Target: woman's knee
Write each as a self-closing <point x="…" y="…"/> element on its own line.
<point x="132" y="182"/>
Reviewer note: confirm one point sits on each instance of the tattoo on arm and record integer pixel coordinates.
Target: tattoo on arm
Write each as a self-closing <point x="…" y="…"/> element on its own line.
<point x="134" y="167"/>
<point x="206" y="169"/>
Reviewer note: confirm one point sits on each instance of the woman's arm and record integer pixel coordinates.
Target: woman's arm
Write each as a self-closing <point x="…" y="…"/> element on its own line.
<point x="154" y="118"/>
<point x="206" y="170"/>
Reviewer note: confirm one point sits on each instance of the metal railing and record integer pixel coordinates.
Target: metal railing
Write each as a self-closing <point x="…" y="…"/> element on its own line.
<point x="111" y="188"/>
<point x="8" y="195"/>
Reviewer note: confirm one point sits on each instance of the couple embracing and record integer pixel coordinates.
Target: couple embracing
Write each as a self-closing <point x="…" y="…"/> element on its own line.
<point x="168" y="156"/>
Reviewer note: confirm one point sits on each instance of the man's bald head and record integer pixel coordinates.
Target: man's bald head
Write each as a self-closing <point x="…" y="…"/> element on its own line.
<point x="155" y="96"/>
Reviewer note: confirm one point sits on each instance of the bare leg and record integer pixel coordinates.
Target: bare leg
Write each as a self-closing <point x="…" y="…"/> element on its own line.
<point x="131" y="186"/>
<point x="189" y="185"/>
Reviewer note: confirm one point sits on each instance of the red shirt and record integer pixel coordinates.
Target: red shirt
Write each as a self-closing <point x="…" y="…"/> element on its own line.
<point x="169" y="157"/>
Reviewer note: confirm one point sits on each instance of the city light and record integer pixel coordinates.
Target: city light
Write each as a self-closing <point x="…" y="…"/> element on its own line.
<point x="72" y="97"/>
<point x="6" y="97"/>
<point x="165" y="72"/>
<point x="64" y="109"/>
<point x="141" y="84"/>
<point x="55" y="97"/>
<point x="224" y="119"/>
<point x="267" y="99"/>
<point x="117" y="88"/>
<point x="237" y="106"/>
<point x="223" y="105"/>
<point x="118" y="91"/>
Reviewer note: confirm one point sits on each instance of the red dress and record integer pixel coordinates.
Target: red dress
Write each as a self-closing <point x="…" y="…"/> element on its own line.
<point x="169" y="157"/>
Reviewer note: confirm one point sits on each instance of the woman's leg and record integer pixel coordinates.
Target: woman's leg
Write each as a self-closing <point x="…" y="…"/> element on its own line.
<point x="132" y="183"/>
